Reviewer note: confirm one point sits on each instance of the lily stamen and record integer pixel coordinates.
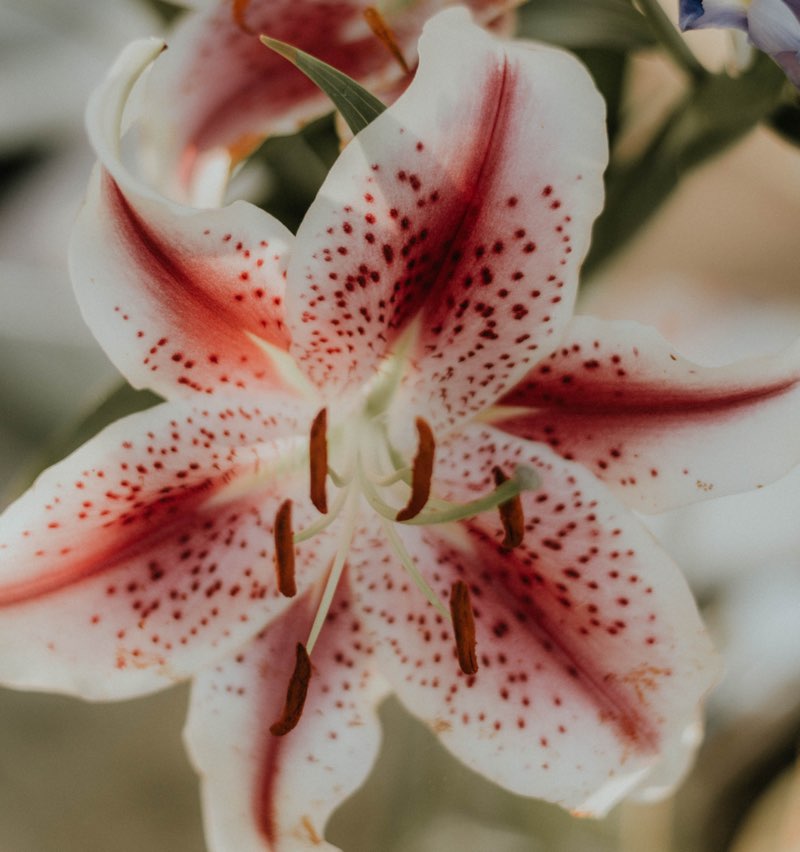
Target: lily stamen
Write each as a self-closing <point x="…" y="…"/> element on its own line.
<point x="318" y="460"/>
<point x="403" y="474"/>
<point x="351" y="514"/>
<point x="511" y="515"/>
<point x="239" y="10"/>
<point x="442" y="511"/>
<point x="411" y="569"/>
<point x="463" y="627"/>
<point x="295" y="694"/>
<point x="422" y="472"/>
<point x="321" y="523"/>
<point x="383" y="33"/>
<point x="284" y="550"/>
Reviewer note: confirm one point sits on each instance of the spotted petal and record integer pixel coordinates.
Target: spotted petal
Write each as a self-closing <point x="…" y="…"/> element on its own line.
<point x="591" y="655"/>
<point x="219" y="91"/>
<point x="656" y="428"/>
<point x="180" y="299"/>
<point x="460" y="216"/>
<point x="149" y="552"/>
<point x="262" y="792"/>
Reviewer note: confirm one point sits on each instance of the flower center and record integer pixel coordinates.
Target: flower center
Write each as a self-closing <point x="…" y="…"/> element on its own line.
<point x="367" y="468"/>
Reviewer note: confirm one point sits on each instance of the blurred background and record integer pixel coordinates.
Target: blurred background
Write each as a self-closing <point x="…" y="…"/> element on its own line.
<point x="702" y="245"/>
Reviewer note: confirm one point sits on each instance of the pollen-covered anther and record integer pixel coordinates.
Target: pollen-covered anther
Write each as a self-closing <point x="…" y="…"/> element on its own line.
<point x="318" y="460"/>
<point x="421" y="474"/>
<point x="239" y="10"/>
<point x="284" y="550"/>
<point x="511" y="515"/>
<point x="463" y="627"/>
<point x="295" y="694"/>
<point x="383" y="33"/>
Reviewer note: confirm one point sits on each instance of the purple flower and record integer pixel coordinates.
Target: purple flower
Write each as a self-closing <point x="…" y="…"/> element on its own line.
<point x="771" y="25"/>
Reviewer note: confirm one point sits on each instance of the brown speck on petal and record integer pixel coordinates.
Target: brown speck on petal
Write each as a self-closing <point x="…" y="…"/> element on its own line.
<point x="318" y="460"/>
<point x="284" y="550"/>
<point x="422" y="472"/>
<point x="511" y="515"/>
<point x="463" y="627"/>
<point x="295" y="694"/>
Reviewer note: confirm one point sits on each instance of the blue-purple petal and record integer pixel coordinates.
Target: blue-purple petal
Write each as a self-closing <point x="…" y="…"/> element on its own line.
<point x="698" y="14"/>
<point x="774" y="27"/>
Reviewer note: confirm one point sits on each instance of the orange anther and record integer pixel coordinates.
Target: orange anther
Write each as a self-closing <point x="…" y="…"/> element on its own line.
<point x="284" y="550"/>
<point x="295" y="694"/>
<point x="463" y="627"/>
<point x="421" y="474"/>
<point x="381" y="29"/>
<point x="318" y="460"/>
<point x="239" y="11"/>
<point x="511" y="515"/>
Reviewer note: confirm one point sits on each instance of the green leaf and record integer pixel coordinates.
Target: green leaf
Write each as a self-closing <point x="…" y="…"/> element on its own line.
<point x="786" y="122"/>
<point x="576" y="23"/>
<point x="357" y="106"/>
<point x="119" y="401"/>
<point x="609" y="70"/>
<point x="711" y="117"/>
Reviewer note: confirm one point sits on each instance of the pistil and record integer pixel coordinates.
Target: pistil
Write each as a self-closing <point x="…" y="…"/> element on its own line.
<point x="350" y="520"/>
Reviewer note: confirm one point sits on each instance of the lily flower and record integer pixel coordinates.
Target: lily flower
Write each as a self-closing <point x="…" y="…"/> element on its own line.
<point x="217" y="93"/>
<point x="331" y="503"/>
<point x="771" y="25"/>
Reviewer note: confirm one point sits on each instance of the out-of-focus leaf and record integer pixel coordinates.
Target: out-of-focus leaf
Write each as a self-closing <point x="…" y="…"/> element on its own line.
<point x="723" y="109"/>
<point x="713" y="115"/>
<point x="786" y="121"/>
<point x="357" y="106"/>
<point x="118" y="402"/>
<point x="170" y="12"/>
<point x="608" y="68"/>
<point x="323" y="139"/>
<point x="576" y="23"/>
<point x="297" y="171"/>
<point x="773" y="823"/>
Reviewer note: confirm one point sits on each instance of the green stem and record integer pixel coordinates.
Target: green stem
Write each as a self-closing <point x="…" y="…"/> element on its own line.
<point x="671" y="40"/>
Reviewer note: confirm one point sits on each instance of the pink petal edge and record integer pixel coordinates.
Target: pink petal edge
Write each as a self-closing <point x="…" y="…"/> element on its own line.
<point x="657" y="429"/>
<point x="148" y="552"/>
<point x="592" y="656"/>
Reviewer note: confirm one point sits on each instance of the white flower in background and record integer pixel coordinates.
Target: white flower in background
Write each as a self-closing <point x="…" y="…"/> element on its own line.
<point x="52" y="53"/>
<point x="716" y="299"/>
